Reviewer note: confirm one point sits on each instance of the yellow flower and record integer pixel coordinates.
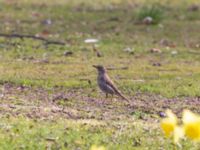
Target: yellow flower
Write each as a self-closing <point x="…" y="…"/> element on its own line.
<point x="94" y="147"/>
<point x="170" y="127"/>
<point x="168" y="124"/>
<point x="178" y="133"/>
<point x="191" y="123"/>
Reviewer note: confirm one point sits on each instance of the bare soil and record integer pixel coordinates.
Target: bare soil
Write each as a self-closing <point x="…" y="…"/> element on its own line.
<point x="74" y="104"/>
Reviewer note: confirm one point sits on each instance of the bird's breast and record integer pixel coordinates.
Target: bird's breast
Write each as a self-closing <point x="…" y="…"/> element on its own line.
<point x="103" y="85"/>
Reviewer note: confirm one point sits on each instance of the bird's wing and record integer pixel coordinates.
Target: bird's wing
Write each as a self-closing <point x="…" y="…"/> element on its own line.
<point x="111" y="84"/>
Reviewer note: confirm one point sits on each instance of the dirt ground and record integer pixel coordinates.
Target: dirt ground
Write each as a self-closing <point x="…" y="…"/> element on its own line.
<point x="73" y="104"/>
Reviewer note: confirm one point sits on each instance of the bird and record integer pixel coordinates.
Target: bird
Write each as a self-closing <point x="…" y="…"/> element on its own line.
<point x="106" y="84"/>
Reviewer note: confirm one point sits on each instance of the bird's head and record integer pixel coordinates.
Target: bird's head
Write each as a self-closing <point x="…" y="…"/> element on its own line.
<point x="101" y="69"/>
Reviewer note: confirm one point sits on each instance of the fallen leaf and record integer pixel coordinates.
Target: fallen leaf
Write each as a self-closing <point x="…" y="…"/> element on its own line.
<point x="155" y="50"/>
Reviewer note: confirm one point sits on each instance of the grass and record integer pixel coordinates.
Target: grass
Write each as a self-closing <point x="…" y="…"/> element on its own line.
<point x="32" y="73"/>
<point x="154" y="11"/>
<point x="70" y="134"/>
<point x="59" y="134"/>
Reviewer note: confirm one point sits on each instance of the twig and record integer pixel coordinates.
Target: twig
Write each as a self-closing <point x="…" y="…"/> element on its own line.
<point x="22" y="36"/>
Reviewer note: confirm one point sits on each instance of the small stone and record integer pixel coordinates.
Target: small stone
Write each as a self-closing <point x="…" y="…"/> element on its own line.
<point x="193" y="8"/>
<point x="164" y="42"/>
<point x="98" y="53"/>
<point x="147" y="20"/>
<point x="174" y="52"/>
<point x="47" y="22"/>
<point x="162" y="114"/>
<point x="67" y="53"/>
<point x="129" y="50"/>
<point x="157" y="64"/>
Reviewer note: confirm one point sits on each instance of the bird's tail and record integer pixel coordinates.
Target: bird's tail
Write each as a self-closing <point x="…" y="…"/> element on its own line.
<point x="122" y="96"/>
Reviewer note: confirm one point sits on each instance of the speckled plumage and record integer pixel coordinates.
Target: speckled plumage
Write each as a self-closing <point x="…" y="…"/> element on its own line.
<point x="106" y="84"/>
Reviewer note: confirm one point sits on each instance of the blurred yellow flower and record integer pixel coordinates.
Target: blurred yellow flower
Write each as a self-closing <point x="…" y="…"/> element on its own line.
<point x="178" y="133"/>
<point x="168" y="124"/>
<point x="189" y="128"/>
<point x="191" y="124"/>
<point x="94" y="147"/>
<point x="170" y="127"/>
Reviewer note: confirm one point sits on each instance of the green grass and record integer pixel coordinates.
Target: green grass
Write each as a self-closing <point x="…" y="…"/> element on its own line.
<point x="24" y="133"/>
<point x="154" y="11"/>
<point x="37" y="66"/>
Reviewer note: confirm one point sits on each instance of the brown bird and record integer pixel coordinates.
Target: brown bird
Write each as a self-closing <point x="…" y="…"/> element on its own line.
<point x="106" y="84"/>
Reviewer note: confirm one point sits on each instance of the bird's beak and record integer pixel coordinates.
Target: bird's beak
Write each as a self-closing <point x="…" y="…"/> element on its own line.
<point x="94" y="66"/>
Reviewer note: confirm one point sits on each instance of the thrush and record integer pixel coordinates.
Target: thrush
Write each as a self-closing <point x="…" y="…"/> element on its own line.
<point x="106" y="84"/>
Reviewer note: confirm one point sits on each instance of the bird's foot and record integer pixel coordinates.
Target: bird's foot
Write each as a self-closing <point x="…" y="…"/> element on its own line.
<point x="130" y="105"/>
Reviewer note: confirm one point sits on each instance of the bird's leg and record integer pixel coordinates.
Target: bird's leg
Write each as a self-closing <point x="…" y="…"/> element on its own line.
<point x="105" y="98"/>
<point x="111" y="97"/>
